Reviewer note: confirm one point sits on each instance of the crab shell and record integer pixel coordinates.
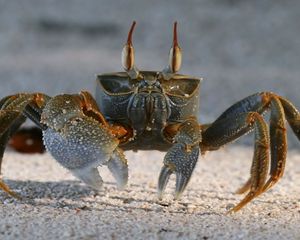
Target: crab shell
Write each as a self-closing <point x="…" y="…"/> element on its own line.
<point x="147" y="110"/>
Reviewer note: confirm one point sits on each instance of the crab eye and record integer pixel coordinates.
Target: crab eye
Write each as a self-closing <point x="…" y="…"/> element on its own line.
<point x="128" y="51"/>
<point x="175" y="54"/>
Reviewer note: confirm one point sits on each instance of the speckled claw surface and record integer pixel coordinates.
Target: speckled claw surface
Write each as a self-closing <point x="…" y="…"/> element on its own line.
<point x="180" y="162"/>
<point x="79" y="139"/>
<point x="181" y="158"/>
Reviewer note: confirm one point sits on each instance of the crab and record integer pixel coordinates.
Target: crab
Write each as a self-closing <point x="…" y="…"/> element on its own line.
<point x="150" y="110"/>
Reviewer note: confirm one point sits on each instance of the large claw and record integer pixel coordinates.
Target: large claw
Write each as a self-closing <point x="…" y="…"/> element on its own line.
<point x="117" y="164"/>
<point x="181" y="161"/>
<point x="118" y="167"/>
<point x="90" y="176"/>
<point x="74" y="132"/>
<point x="80" y="142"/>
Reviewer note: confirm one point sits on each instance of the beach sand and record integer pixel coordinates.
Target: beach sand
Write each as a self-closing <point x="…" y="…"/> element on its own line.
<point x="57" y="206"/>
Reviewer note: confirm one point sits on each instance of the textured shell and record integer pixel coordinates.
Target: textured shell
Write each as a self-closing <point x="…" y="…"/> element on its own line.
<point x="60" y="109"/>
<point x="114" y="91"/>
<point x="82" y="142"/>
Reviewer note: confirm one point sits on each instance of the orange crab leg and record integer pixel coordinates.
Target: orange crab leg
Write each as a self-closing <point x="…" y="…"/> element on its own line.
<point x="12" y="109"/>
<point x="6" y="189"/>
<point x="232" y="124"/>
<point x="90" y="107"/>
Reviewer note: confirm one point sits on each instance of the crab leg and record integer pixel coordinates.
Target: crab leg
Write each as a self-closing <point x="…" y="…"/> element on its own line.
<point x="12" y="109"/>
<point x="278" y="136"/>
<point x="292" y="115"/>
<point x="278" y="143"/>
<point x="7" y="129"/>
<point x="230" y="126"/>
<point x="181" y="158"/>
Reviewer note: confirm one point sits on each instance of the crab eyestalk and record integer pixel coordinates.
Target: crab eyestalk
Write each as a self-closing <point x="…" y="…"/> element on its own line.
<point x="175" y="57"/>
<point x="128" y="55"/>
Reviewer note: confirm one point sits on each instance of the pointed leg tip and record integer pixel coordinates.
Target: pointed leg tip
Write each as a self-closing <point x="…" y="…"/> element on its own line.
<point x="181" y="183"/>
<point x="163" y="180"/>
<point x="177" y="196"/>
<point x="239" y="191"/>
<point x="15" y="195"/>
<point x="160" y="194"/>
<point x="6" y="189"/>
<point x="229" y="212"/>
<point x="231" y="208"/>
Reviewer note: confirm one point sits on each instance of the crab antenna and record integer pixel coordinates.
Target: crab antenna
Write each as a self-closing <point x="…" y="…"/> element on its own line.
<point x="128" y="55"/>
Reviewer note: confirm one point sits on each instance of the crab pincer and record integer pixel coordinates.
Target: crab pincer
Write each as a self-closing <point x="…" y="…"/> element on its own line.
<point x="74" y="132"/>
<point x="80" y="140"/>
<point x="181" y="158"/>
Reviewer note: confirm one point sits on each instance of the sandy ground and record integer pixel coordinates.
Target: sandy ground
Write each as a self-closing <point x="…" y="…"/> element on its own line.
<point x="57" y="206"/>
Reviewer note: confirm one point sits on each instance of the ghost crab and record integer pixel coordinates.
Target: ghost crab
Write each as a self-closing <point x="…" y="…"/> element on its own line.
<point x="139" y="110"/>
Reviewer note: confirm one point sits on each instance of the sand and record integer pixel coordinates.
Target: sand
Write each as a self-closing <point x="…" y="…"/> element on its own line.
<point x="57" y="206"/>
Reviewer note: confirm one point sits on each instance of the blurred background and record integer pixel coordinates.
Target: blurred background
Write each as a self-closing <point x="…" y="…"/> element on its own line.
<point x="238" y="47"/>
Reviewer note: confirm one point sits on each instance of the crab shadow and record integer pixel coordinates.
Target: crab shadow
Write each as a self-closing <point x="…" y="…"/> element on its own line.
<point x="52" y="190"/>
<point x="76" y="196"/>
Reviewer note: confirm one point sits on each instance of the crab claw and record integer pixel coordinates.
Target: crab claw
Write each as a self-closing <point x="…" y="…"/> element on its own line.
<point x="118" y="167"/>
<point x="117" y="164"/>
<point x="90" y="176"/>
<point x="180" y="161"/>
<point x="80" y="142"/>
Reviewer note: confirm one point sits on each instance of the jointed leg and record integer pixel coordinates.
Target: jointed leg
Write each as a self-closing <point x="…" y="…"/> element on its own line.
<point x="12" y="111"/>
<point x="280" y="109"/>
<point x="231" y="125"/>
<point x="234" y="126"/>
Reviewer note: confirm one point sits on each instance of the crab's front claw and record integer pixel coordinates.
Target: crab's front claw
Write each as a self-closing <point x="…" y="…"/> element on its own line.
<point x="117" y="164"/>
<point x="118" y="167"/>
<point x="83" y="145"/>
<point x="180" y="161"/>
<point x="79" y="139"/>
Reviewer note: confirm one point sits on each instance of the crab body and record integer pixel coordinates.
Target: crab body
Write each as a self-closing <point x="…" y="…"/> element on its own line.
<point x="151" y="110"/>
<point x="147" y="105"/>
